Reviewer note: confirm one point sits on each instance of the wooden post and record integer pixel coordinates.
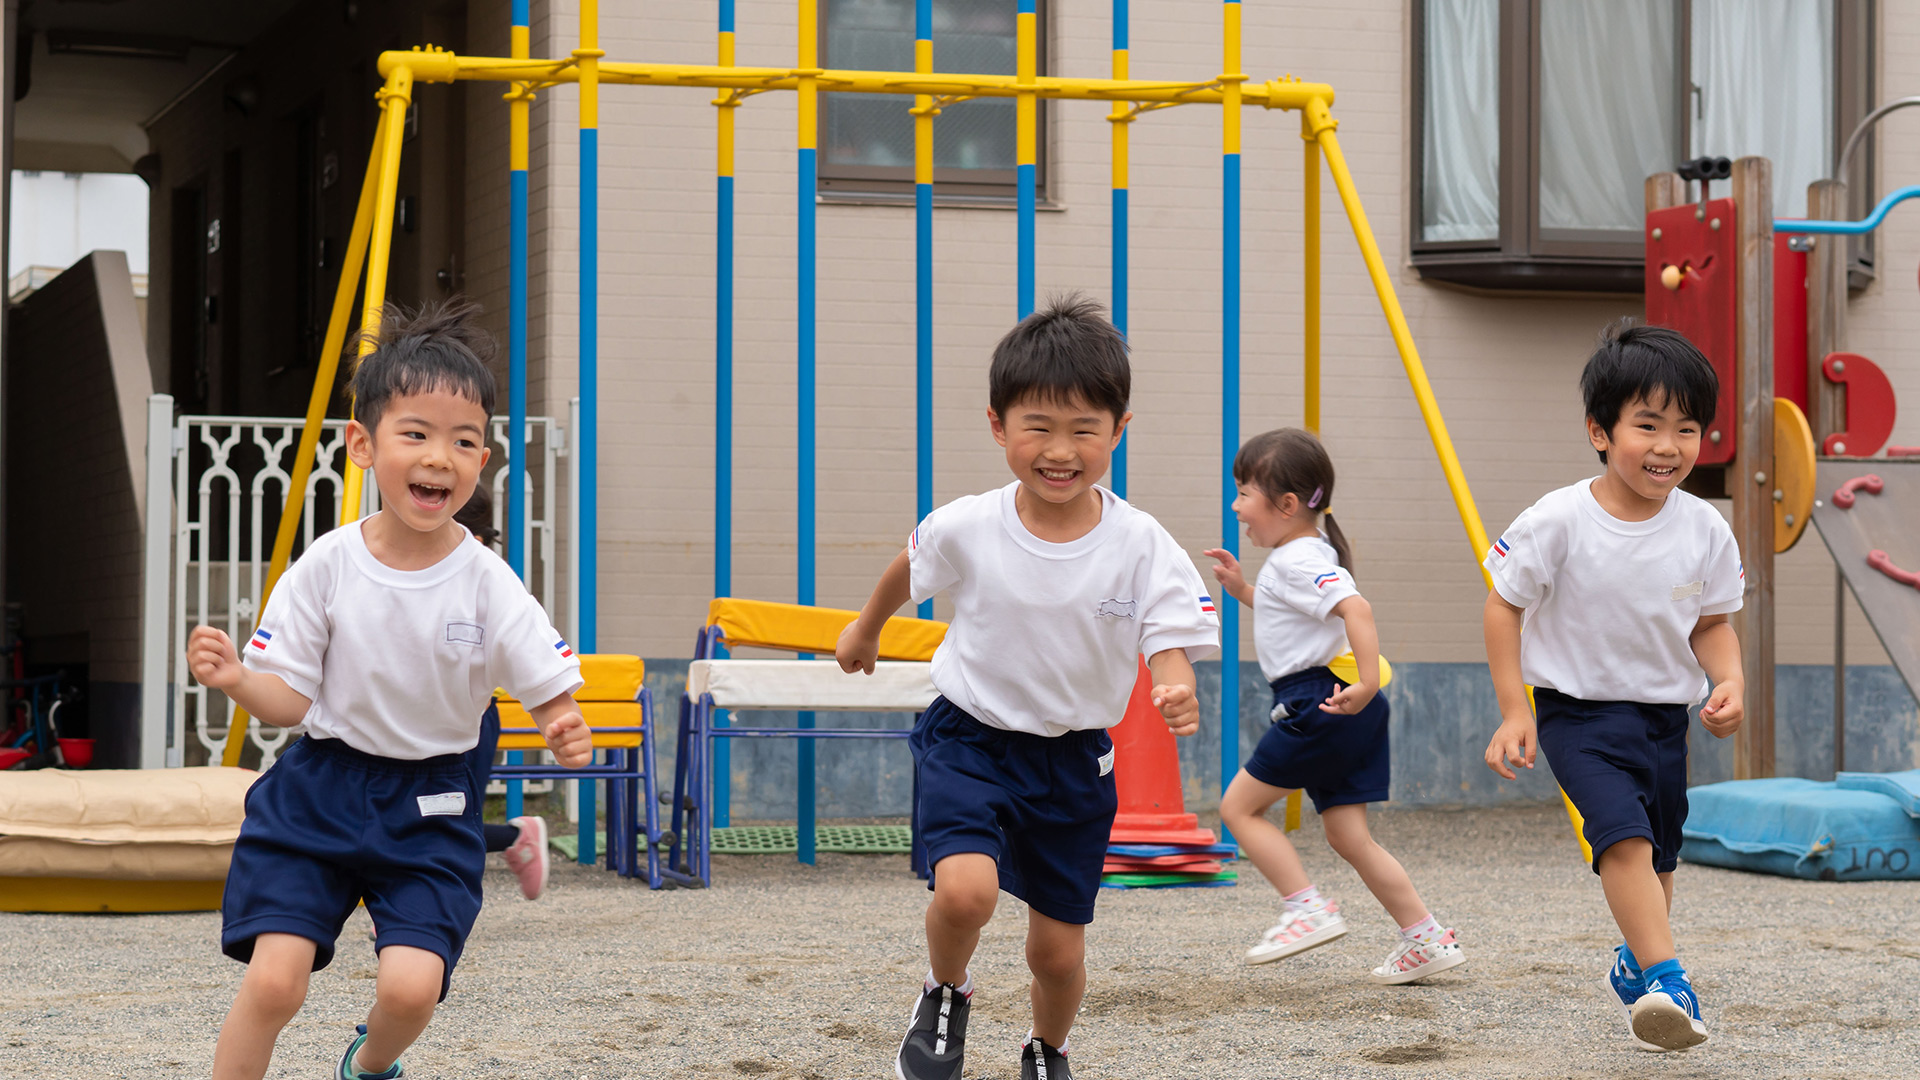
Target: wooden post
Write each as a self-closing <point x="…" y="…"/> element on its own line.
<point x="1664" y="189"/>
<point x="1750" y="480"/>
<point x="1826" y="309"/>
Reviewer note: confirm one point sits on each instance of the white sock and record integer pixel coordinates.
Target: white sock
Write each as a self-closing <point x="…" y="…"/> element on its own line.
<point x="1427" y="931"/>
<point x="1308" y="898"/>
<point x="965" y="989"/>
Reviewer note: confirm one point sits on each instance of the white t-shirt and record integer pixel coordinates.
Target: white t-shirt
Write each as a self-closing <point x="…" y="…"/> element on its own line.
<point x="1610" y="604"/>
<point x="1294" y="627"/>
<point x="1046" y="638"/>
<point x="401" y="663"/>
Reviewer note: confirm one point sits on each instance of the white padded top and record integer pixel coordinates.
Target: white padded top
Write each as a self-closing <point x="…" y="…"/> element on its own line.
<point x="820" y="685"/>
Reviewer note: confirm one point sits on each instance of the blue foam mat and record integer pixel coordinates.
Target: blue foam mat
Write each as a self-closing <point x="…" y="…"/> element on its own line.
<point x="1149" y="851"/>
<point x="1801" y="828"/>
<point x="1902" y="787"/>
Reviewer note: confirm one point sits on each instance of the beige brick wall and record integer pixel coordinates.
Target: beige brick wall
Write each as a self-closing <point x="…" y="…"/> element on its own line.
<point x="1504" y="369"/>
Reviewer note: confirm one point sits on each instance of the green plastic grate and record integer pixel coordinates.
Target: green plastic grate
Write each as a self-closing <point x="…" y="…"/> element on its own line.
<point x="785" y="839"/>
<point x="782" y="840"/>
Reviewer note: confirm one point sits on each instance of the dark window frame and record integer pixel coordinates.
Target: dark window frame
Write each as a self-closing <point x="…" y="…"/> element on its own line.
<point x="893" y="183"/>
<point x="1524" y="256"/>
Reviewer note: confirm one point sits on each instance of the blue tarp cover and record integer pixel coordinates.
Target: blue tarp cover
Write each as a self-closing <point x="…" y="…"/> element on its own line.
<point x="1801" y="828"/>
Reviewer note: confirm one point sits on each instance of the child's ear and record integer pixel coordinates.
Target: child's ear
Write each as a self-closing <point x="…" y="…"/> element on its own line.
<point x="1120" y="431"/>
<point x="1288" y="505"/>
<point x="999" y="427"/>
<point x="359" y="444"/>
<point x="1600" y="437"/>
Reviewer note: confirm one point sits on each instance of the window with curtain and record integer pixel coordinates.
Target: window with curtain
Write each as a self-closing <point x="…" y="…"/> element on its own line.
<point x="866" y="140"/>
<point x="1538" y="121"/>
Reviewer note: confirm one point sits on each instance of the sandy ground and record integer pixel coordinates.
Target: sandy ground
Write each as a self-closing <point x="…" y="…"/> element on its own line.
<point x="783" y="971"/>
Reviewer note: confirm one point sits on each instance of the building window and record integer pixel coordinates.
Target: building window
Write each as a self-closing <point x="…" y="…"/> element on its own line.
<point x="1538" y="121"/>
<point x="866" y="140"/>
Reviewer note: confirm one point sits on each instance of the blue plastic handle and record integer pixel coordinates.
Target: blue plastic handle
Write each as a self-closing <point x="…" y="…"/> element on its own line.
<point x="1847" y="228"/>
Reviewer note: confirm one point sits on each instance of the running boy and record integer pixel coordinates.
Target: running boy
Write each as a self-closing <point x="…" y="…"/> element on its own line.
<point x="1058" y="588"/>
<point x="386" y="640"/>
<point x="1623" y="584"/>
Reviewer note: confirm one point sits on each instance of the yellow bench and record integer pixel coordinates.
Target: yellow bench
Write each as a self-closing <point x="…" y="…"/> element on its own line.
<point x="715" y="684"/>
<point x="618" y="708"/>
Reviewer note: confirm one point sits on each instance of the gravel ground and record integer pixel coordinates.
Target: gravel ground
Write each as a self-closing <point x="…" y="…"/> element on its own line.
<point x="786" y="972"/>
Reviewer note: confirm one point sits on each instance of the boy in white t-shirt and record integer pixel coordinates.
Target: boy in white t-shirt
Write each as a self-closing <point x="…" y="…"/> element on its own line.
<point x="386" y="640"/>
<point x="1058" y="588"/>
<point x="1623" y="584"/>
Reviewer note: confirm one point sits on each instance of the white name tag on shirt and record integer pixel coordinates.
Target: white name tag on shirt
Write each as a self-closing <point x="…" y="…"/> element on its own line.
<point x="1106" y="763"/>
<point x="1691" y="588"/>
<point x="452" y="804"/>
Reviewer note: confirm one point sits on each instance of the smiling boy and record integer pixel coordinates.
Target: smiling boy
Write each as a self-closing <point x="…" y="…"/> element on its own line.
<point x="1058" y="588"/>
<point x="1623" y="584"/>
<point x="386" y="640"/>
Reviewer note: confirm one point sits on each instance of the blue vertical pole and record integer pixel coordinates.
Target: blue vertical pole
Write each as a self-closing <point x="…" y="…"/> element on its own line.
<point x="517" y="337"/>
<point x="808" y="330"/>
<point x="923" y="289"/>
<point x="1120" y="181"/>
<point x="1229" y="393"/>
<point x="722" y="750"/>
<point x="587" y="439"/>
<point x="1026" y="150"/>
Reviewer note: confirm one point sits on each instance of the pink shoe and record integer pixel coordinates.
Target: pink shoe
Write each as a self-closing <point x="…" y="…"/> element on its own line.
<point x="527" y="857"/>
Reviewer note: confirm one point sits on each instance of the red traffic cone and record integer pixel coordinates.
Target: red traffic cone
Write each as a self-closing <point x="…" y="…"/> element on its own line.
<point x="1146" y="772"/>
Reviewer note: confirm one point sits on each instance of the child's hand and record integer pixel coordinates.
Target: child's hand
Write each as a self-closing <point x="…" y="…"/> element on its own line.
<point x="1178" y="707"/>
<point x="1725" y="709"/>
<point x="1349" y="700"/>
<point x="1514" y="744"/>
<point x="570" y="739"/>
<point x="212" y="659"/>
<point x="1226" y="569"/>
<point x="856" y="651"/>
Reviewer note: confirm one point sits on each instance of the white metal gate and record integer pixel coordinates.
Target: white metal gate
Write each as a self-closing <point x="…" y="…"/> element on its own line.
<point x="229" y="477"/>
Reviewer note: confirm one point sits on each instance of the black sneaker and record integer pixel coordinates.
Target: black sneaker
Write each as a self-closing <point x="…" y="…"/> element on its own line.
<point x="1038" y="1061"/>
<point x="936" y="1041"/>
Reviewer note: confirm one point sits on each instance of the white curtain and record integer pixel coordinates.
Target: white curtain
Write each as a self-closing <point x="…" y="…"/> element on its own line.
<point x="1765" y="73"/>
<point x="1460" y="193"/>
<point x="1606" y="109"/>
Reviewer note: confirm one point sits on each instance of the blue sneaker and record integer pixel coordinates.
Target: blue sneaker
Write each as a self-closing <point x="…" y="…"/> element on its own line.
<point x="1624" y="986"/>
<point x="349" y="1071"/>
<point x="1668" y="1014"/>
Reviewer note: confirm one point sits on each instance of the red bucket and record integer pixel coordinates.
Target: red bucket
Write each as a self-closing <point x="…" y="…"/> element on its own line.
<point x="9" y="757"/>
<point x="77" y="752"/>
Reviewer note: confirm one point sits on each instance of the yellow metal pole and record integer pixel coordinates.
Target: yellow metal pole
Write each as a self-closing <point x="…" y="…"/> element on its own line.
<point x="1310" y="307"/>
<point x="1322" y="126"/>
<point x="323" y="380"/>
<point x="394" y="98"/>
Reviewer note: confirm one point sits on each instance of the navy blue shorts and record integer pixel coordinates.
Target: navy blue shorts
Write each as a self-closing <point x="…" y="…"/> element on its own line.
<point x="1041" y="807"/>
<point x="1337" y="760"/>
<point x="1624" y="765"/>
<point x="328" y="826"/>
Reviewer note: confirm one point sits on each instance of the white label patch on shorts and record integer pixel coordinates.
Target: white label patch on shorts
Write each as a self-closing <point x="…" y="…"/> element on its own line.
<point x="452" y="804"/>
<point x="1106" y="763"/>
<point x="1691" y="588"/>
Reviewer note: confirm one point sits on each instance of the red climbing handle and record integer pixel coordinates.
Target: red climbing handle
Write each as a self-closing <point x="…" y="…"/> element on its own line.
<point x="1903" y="451"/>
<point x="1869" y="483"/>
<point x="1879" y="561"/>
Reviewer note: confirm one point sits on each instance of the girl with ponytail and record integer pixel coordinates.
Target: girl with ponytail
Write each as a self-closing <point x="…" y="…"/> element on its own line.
<point x="1328" y="736"/>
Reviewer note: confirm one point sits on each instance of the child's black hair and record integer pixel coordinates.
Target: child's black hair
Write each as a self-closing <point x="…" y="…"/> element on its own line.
<point x="477" y="516"/>
<point x="1289" y="461"/>
<point x="1649" y="363"/>
<point x="1065" y="351"/>
<point x="432" y="347"/>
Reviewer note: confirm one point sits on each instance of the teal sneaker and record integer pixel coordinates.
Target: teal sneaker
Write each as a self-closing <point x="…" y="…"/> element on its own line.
<point x="1668" y="1014"/>
<point x="349" y="1072"/>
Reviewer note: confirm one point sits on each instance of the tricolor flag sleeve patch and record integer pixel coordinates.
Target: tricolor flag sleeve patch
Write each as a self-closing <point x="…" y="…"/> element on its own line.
<point x="260" y="639"/>
<point x="913" y="541"/>
<point x="1500" y="547"/>
<point x="1206" y="604"/>
<point x="1325" y="580"/>
<point x="562" y="648"/>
